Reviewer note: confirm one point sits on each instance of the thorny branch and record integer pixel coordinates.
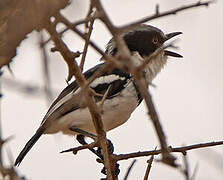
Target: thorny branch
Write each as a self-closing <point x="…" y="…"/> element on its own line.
<point x="157" y="14"/>
<point x="125" y="57"/>
<point x="182" y="149"/>
<point x="111" y="62"/>
<point x="94" y="110"/>
<point x="76" y="149"/>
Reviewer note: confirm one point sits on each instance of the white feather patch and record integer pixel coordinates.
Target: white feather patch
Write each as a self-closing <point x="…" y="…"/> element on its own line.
<point x="106" y="79"/>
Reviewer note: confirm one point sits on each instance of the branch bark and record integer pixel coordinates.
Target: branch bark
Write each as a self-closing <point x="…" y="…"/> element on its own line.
<point x="182" y="149"/>
<point x="88" y="95"/>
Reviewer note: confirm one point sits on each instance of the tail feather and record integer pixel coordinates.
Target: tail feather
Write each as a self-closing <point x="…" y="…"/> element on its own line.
<point x="29" y="145"/>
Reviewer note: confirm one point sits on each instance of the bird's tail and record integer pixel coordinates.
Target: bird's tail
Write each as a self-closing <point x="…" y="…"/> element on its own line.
<point x="29" y="145"/>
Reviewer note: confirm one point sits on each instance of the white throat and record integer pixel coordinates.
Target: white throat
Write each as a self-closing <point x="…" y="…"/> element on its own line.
<point x="153" y="67"/>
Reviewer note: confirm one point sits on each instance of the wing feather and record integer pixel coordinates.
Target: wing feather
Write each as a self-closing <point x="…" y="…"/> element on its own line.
<point x="68" y="101"/>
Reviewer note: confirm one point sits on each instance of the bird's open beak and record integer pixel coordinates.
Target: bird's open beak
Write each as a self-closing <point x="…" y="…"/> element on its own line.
<point x="170" y="53"/>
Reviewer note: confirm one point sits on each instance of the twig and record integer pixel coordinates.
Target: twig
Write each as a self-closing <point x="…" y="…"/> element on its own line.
<point x="157" y="14"/>
<point x="79" y="22"/>
<point x="147" y="60"/>
<point x="65" y="52"/>
<point x="182" y="149"/>
<point x="150" y="161"/>
<point x="93" y="109"/>
<point x="125" y="54"/>
<point x="86" y="44"/>
<point x="79" y="148"/>
<point x="70" y="26"/>
<point x="167" y="158"/>
<point x="123" y="50"/>
<point x="129" y="169"/>
<point x="90" y="11"/>
<point x="101" y="103"/>
<point x="125" y="57"/>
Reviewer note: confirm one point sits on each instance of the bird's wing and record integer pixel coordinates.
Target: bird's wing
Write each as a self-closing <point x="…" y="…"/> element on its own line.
<point x="71" y="88"/>
<point x="69" y="99"/>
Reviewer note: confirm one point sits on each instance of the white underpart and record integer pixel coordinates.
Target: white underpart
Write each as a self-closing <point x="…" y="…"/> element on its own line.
<point x="117" y="110"/>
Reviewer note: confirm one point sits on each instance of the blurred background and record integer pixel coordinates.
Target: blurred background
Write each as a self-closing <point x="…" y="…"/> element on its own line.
<point x="188" y="96"/>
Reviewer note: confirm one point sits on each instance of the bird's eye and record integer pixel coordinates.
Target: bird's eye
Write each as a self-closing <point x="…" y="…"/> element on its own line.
<point x="155" y="40"/>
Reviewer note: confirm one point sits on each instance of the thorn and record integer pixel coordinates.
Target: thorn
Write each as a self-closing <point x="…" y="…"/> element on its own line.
<point x="76" y="54"/>
<point x="54" y="49"/>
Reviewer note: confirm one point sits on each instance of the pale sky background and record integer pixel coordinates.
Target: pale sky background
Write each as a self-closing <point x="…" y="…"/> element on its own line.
<point x="188" y="97"/>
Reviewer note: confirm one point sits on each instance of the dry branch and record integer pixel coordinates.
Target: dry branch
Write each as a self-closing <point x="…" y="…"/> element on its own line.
<point x="125" y="57"/>
<point x="157" y="14"/>
<point x="86" y="44"/>
<point x="182" y="149"/>
<point x="51" y="8"/>
<point x="94" y="110"/>
<point x="79" y="148"/>
<point x="150" y="161"/>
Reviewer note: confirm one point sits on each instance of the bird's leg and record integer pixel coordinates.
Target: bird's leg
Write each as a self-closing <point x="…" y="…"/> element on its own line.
<point x="84" y="133"/>
<point x="81" y="140"/>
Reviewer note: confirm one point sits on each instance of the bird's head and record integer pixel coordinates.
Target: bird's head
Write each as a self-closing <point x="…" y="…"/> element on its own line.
<point x="144" y="39"/>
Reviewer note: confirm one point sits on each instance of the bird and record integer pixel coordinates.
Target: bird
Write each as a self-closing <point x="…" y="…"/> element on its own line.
<point x="69" y="115"/>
